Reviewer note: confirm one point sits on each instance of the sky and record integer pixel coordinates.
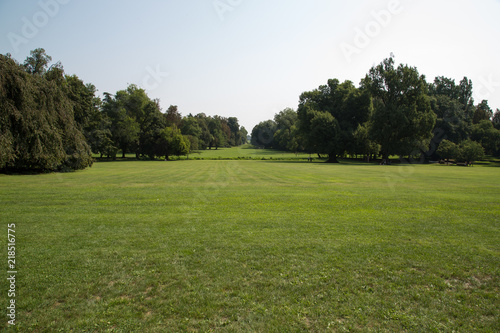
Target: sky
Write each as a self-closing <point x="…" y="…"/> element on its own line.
<point x="252" y="59"/>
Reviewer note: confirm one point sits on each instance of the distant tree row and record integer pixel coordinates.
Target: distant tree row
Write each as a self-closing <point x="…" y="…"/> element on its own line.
<point x="50" y="121"/>
<point x="394" y="111"/>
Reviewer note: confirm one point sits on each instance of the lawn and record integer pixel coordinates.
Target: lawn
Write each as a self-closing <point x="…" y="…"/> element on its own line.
<point x="247" y="152"/>
<point x="255" y="246"/>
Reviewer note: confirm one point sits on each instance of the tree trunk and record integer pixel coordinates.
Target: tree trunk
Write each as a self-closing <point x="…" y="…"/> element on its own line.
<point x="332" y="158"/>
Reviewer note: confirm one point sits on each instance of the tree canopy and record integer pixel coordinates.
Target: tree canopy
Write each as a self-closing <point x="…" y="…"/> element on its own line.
<point x="394" y="111"/>
<point x="50" y="121"/>
<point x="38" y="130"/>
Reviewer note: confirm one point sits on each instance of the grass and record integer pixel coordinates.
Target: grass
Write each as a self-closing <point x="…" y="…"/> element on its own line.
<point x="247" y="152"/>
<point x="244" y="152"/>
<point x="247" y="246"/>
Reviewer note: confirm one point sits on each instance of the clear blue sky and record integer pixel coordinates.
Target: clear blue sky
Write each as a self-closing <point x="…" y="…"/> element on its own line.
<point x="251" y="59"/>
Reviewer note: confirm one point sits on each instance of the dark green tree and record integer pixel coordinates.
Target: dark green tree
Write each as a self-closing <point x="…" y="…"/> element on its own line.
<point x="348" y="105"/>
<point x="38" y="61"/>
<point x="263" y="134"/>
<point x="470" y="152"/>
<point x="403" y="120"/>
<point x="482" y="112"/>
<point x="286" y="122"/>
<point x="38" y="131"/>
<point x="448" y="150"/>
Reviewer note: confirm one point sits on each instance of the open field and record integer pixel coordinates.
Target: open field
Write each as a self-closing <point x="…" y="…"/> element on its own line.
<point x="247" y="152"/>
<point x="260" y="246"/>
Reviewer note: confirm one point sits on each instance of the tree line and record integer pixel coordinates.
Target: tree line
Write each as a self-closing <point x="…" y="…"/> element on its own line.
<point x="50" y="121"/>
<point x="394" y="111"/>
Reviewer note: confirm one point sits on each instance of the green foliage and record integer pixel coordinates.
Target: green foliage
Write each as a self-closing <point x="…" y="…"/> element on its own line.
<point x="470" y="151"/>
<point x="485" y="133"/>
<point x="448" y="150"/>
<point x="263" y="134"/>
<point x="286" y="125"/>
<point x="483" y="112"/>
<point x="38" y="129"/>
<point x="347" y="105"/>
<point x="403" y="120"/>
<point x="38" y="62"/>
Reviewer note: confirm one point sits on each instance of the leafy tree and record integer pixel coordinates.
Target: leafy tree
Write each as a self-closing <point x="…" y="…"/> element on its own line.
<point x="243" y="135"/>
<point x="173" y="117"/>
<point x="452" y="119"/>
<point x="219" y="132"/>
<point x="151" y="130"/>
<point x="238" y="134"/>
<point x="402" y="122"/>
<point x="488" y="136"/>
<point x="38" y="131"/>
<point x="471" y="151"/>
<point x="263" y="134"/>
<point x="448" y="150"/>
<point x="496" y="119"/>
<point x="37" y="62"/>
<point x="171" y="142"/>
<point x="348" y="105"/>
<point x="483" y="112"/>
<point x="124" y="128"/>
<point x="363" y="144"/>
<point x="286" y="121"/>
<point x="324" y="135"/>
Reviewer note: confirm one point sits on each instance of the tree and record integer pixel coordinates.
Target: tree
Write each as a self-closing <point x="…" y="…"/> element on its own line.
<point x="263" y="134"/>
<point x="171" y="142"/>
<point x="38" y="131"/>
<point x="37" y="62"/>
<point x="285" y="121"/>
<point x="348" y="105"/>
<point x="471" y="151"/>
<point x="483" y="112"/>
<point x="488" y="136"/>
<point x="403" y="120"/>
<point x="363" y="144"/>
<point x="324" y="135"/>
<point x="496" y="119"/>
<point x="173" y="117"/>
<point x="448" y="150"/>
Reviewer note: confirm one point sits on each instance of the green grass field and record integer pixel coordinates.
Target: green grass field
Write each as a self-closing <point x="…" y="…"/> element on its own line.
<point x="254" y="246"/>
<point x="247" y="152"/>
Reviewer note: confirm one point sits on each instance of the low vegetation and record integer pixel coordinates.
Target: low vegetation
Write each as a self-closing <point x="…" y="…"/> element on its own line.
<point x="267" y="246"/>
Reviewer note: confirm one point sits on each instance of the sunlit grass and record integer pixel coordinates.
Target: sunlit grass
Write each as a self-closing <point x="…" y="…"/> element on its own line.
<point x="269" y="246"/>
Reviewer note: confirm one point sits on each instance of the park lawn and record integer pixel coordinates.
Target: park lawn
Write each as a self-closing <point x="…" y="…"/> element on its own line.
<point x="255" y="246"/>
<point x="247" y="152"/>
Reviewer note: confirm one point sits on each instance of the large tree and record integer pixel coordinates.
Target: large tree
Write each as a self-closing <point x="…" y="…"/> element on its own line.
<point x="348" y="107"/>
<point x="403" y="120"/>
<point x="286" y="124"/>
<point x="263" y="134"/>
<point x="38" y="131"/>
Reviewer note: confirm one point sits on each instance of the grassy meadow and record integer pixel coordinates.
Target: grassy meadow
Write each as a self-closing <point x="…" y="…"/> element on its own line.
<point x="255" y="246"/>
